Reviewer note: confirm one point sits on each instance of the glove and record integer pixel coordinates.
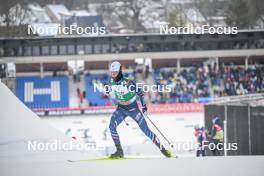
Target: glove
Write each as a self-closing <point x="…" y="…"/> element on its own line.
<point x="107" y="90"/>
<point x="145" y="110"/>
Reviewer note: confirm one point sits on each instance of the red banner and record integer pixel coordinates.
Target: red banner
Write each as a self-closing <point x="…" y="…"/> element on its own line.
<point x="179" y="107"/>
<point x="153" y="108"/>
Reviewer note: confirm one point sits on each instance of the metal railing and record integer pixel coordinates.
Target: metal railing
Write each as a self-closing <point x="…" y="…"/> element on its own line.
<point x="237" y="99"/>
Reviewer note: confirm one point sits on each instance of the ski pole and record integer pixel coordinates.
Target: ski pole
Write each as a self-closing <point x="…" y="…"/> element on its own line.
<point x="157" y="129"/>
<point x="127" y="124"/>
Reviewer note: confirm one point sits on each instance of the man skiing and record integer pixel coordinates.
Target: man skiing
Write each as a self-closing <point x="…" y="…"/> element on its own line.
<point x="125" y="93"/>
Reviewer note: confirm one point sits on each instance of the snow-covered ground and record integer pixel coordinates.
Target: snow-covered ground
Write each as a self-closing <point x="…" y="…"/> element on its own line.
<point x="18" y="125"/>
<point x="177" y="127"/>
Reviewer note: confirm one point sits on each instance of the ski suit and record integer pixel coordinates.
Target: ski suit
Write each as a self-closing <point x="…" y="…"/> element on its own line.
<point x="126" y="93"/>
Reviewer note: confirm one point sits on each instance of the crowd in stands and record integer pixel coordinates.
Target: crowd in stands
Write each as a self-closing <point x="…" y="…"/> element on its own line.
<point x="187" y="85"/>
<point x="198" y="83"/>
<point x="237" y="80"/>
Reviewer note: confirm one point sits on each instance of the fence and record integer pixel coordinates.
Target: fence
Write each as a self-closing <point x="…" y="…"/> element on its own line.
<point x="244" y="126"/>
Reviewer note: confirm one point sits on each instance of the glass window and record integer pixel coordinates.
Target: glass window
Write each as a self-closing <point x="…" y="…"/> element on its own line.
<point x="62" y="50"/>
<point x="71" y="49"/>
<point x="53" y="50"/>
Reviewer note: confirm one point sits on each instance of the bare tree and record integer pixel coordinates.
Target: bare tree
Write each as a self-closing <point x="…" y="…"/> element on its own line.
<point x="237" y="14"/>
<point x="130" y="13"/>
<point x="177" y="18"/>
<point x="240" y="13"/>
<point x="256" y="9"/>
<point x="134" y="14"/>
<point x="5" y="9"/>
<point x="209" y="8"/>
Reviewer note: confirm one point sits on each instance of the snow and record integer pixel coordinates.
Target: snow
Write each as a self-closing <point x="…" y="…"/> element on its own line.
<point x="221" y="166"/>
<point x="58" y="10"/>
<point x="18" y="124"/>
<point x="79" y="13"/>
<point x="177" y="127"/>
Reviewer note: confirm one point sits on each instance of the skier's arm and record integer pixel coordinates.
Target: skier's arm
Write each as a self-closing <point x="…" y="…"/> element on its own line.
<point x="138" y="91"/>
<point x="140" y="95"/>
<point x="107" y="90"/>
<point x="213" y="132"/>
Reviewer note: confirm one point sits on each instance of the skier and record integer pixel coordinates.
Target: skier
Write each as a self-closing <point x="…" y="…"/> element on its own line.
<point x="125" y="93"/>
<point x="199" y="133"/>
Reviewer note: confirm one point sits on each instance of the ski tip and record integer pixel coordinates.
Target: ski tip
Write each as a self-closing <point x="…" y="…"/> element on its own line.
<point x="175" y="157"/>
<point x="169" y="154"/>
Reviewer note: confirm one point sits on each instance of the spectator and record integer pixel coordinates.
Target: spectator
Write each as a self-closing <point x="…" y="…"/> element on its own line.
<point x="81" y="98"/>
<point x="217" y="135"/>
<point x="199" y="82"/>
<point x="84" y="94"/>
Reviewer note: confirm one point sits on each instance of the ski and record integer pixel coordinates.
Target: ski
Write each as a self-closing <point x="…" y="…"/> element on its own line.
<point x="112" y="159"/>
<point x="98" y="159"/>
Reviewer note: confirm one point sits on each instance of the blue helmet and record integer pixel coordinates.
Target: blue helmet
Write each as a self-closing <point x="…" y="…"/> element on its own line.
<point x="215" y="119"/>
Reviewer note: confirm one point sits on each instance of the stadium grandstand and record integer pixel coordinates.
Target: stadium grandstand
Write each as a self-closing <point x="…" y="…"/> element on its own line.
<point x="69" y="77"/>
<point x="196" y="70"/>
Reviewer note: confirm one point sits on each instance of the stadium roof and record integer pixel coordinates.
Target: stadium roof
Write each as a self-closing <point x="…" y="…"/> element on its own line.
<point x="131" y="56"/>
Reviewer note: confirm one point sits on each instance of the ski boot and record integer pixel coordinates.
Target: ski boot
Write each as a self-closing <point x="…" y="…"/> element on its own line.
<point x="166" y="153"/>
<point x="118" y="154"/>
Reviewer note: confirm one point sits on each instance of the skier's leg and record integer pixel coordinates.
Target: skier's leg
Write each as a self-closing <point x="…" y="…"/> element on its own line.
<point x="203" y="152"/>
<point x="117" y="117"/>
<point x="214" y="151"/>
<point x="139" y="118"/>
<point x="202" y="149"/>
<point x="197" y="152"/>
